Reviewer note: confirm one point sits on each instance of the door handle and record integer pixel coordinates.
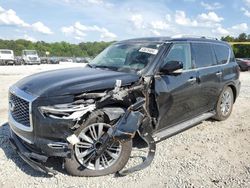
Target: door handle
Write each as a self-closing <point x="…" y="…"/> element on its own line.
<point x="219" y="73"/>
<point x="192" y="80"/>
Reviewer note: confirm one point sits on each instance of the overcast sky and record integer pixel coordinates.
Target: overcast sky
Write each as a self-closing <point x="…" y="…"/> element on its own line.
<point x="104" y="20"/>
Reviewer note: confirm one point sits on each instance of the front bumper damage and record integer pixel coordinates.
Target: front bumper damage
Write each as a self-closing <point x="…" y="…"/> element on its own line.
<point x="35" y="160"/>
<point x="138" y="114"/>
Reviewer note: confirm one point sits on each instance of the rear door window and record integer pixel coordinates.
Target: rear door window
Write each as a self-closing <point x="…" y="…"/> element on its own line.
<point x="221" y="52"/>
<point x="203" y="55"/>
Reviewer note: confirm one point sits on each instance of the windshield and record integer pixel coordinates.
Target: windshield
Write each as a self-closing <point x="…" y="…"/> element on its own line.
<point x="32" y="52"/>
<point x="127" y="57"/>
<point x="6" y="52"/>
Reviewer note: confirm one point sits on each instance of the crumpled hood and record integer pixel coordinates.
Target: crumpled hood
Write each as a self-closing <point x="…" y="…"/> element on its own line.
<point x="72" y="81"/>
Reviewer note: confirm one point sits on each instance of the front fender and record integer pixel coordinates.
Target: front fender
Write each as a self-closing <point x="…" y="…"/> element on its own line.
<point x="113" y="112"/>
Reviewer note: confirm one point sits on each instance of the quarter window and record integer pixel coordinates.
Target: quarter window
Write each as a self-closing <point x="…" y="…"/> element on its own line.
<point x="232" y="57"/>
<point x="181" y="53"/>
<point x="221" y="53"/>
<point x="203" y="55"/>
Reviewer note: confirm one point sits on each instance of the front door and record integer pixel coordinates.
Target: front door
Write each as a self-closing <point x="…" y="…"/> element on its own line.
<point x="176" y="95"/>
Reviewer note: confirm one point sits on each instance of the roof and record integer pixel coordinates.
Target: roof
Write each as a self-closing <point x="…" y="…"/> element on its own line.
<point x="169" y="39"/>
<point x="5" y="49"/>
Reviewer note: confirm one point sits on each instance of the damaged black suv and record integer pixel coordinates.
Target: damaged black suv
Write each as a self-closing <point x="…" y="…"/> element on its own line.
<point x="150" y="88"/>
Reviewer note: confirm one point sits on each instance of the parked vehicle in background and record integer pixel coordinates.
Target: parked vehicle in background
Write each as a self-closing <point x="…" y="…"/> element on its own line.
<point x="54" y="60"/>
<point x="244" y="63"/>
<point x="30" y="57"/>
<point x="82" y="60"/>
<point x="7" y="57"/>
<point x="70" y="60"/>
<point x="18" y="60"/>
<point x="44" y="60"/>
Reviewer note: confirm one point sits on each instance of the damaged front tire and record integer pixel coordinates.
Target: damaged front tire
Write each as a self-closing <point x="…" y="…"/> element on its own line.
<point x="82" y="162"/>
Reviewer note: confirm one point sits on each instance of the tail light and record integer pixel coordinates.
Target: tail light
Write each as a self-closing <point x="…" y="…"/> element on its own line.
<point x="248" y="63"/>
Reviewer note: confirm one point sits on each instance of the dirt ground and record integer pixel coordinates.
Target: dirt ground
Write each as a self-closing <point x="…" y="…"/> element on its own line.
<point x="212" y="154"/>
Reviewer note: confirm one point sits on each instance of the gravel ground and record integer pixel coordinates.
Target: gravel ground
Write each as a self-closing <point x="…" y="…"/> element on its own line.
<point x="212" y="154"/>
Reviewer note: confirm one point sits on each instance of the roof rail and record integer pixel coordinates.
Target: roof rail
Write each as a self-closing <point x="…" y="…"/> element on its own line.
<point x="194" y="36"/>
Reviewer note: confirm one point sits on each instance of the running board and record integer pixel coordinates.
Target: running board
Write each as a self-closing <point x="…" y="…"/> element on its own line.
<point x="171" y="131"/>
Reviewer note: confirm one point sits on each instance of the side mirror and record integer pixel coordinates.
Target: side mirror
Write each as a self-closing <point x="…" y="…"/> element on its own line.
<point x="172" y="67"/>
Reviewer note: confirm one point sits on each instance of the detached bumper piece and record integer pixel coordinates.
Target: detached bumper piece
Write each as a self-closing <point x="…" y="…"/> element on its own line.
<point x="126" y="128"/>
<point x="36" y="161"/>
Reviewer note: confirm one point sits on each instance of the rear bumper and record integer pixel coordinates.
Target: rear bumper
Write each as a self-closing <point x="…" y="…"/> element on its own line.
<point x="35" y="160"/>
<point x="7" y="61"/>
<point x="32" y="62"/>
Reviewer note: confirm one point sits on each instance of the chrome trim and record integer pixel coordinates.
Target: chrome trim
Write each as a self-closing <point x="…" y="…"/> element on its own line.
<point x="27" y="97"/>
<point x="219" y="73"/>
<point x="22" y="137"/>
<point x="58" y="145"/>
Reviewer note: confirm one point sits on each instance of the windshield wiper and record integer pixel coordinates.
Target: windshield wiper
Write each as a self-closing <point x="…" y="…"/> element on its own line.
<point x="105" y="67"/>
<point x="90" y="65"/>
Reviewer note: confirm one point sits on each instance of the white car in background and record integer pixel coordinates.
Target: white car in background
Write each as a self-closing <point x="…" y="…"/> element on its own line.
<point x="30" y="57"/>
<point x="7" y="57"/>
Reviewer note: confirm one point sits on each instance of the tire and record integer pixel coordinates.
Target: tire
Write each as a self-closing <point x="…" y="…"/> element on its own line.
<point x="224" y="105"/>
<point x="75" y="168"/>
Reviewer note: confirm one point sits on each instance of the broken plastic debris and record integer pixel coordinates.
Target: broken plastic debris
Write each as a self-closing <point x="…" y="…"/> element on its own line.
<point x="118" y="84"/>
<point x="73" y="139"/>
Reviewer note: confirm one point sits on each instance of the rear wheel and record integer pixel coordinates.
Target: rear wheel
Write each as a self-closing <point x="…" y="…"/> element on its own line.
<point x="225" y="104"/>
<point x="111" y="161"/>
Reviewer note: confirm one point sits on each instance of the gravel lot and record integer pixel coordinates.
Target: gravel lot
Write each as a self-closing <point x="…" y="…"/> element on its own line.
<point x="212" y="154"/>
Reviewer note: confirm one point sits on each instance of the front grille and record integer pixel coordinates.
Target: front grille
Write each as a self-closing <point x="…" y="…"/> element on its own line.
<point x="33" y="58"/>
<point x="19" y="109"/>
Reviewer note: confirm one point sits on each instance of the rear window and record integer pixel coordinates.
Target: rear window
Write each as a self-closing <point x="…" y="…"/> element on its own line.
<point x="5" y="52"/>
<point x="203" y="55"/>
<point x="221" y="52"/>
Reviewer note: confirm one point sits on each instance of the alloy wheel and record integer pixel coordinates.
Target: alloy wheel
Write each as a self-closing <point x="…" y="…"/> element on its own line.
<point x="226" y="103"/>
<point x="90" y="142"/>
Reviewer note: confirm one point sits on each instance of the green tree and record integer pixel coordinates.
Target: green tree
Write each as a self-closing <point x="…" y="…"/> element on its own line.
<point x="63" y="49"/>
<point x="242" y="37"/>
<point x="228" y="38"/>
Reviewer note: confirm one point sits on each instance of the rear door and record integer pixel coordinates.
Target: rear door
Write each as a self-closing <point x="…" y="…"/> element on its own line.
<point x="177" y="94"/>
<point x="209" y="75"/>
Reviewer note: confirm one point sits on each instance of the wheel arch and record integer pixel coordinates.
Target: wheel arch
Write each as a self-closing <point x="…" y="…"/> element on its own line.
<point x="233" y="87"/>
<point x="234" y="90"/>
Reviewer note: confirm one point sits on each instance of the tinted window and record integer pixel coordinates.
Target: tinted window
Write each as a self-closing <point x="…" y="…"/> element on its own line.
<point x="203" y="55"/>
<point x="221" y="53"/>
<point x="232" y="57"/>
<point x="180" y="52"/>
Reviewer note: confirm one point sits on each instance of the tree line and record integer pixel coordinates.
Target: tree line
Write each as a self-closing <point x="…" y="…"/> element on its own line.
<point x="62" y="49"/>
<point x="240" y="50"/>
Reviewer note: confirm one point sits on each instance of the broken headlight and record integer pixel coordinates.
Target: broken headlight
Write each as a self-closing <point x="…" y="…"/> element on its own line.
<point x="67" y="111"/>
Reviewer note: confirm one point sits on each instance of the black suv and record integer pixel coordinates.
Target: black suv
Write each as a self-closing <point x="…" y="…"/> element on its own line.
<point x="148" y="88"/>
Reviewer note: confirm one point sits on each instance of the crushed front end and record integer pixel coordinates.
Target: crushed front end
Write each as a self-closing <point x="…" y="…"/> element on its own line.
<point x="40" y="130"/>
<point x="34" y="137"/>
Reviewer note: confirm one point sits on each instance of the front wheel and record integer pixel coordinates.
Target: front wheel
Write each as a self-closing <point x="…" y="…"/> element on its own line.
<point x="112" y="160"/>
<point x="224" y="105"/>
